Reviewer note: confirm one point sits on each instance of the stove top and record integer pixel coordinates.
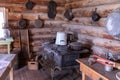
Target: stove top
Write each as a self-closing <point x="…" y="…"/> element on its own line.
<point x="63" y="50"/>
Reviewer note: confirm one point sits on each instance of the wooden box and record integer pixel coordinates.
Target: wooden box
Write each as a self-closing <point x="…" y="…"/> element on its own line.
<point x="32" y="65"/>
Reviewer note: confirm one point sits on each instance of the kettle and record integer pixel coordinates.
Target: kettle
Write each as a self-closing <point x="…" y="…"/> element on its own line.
<point x="61" y="38"/>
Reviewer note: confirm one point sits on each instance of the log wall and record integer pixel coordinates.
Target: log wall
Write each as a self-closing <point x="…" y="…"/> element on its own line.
<point x="37" y="35"/>
<point x="93" y="32"/>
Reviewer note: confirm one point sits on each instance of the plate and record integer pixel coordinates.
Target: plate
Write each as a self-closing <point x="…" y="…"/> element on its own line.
<point x="113" y="24"/>
<point x="118" y="75"/>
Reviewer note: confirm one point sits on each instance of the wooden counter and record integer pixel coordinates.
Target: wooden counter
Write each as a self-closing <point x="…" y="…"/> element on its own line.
<point x="95" y="71"/>
<point x="7" y="70"/>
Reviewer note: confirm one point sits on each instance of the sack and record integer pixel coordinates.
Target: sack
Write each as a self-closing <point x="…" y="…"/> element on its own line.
<point x="52" y="9"/>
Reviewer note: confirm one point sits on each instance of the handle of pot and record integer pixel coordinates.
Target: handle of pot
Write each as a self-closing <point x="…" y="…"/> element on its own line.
<point x="38" y="16"/>
<point x="95" y="10"/>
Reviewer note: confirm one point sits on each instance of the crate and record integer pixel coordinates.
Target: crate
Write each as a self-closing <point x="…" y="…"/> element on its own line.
<point x="32" y="65"/>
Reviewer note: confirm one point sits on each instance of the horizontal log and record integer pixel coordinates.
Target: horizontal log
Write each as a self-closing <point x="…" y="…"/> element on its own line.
<point x="44" y="30"/>
<point x="37" y="42"/>
<point x="70" y="1"/>
<point x="16" y="45"/>
<point x="36" y="48"/>
<point x="31" y="16"/>
<point x="57" y="23"/>
<point x="107" y="43"/>
<point x="112" y="45"/>
<point x="102" y="10"/>
<point x="100" y="50"/>
<point x="86" y="38"/>
<point x="88" y="3"/>
<point x="104" y="51"/>
<point x="36" y="9"/>
<point x="89" y="21"/>
<point x="90" y="30"/>
<point x="41" y="2"/>
<point x="47" y="23"/>
<point x="42" y="37"/>
<point x="3" y="50"/>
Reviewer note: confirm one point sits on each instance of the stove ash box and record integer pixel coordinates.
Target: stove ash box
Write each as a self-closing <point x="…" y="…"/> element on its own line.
<point x="61" y="59"/>
<point x="66" y="60"/>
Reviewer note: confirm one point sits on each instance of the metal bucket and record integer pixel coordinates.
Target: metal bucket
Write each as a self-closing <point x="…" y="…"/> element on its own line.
<point x="61" y="38"/>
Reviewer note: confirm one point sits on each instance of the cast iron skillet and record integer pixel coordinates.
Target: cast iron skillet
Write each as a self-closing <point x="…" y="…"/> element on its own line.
<point x="68" y="14"/>
<point x="95" y="16"/>
<point x="52" y="9"/>
<point x="22" y="23"/>
<point x="38" y="22"/>
<point x="29" y="5"/>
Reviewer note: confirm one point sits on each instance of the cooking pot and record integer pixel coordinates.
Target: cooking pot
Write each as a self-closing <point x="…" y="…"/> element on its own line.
<point x="95" y="16"/>
<point x="75" y="46"/>
<point x="61" y="38"/>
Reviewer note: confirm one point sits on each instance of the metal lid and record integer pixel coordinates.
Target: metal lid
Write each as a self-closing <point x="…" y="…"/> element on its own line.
<point x="113" y="24"/>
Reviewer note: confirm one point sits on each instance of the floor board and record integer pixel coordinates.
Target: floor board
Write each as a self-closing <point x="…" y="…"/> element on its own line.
<point x="25" y="74"/>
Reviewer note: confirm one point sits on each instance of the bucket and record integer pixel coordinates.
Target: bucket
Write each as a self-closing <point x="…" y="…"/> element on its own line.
<point x="61" y="38"/>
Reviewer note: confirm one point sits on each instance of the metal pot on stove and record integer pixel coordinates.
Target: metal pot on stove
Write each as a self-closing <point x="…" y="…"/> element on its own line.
<point x="75" y="46"/>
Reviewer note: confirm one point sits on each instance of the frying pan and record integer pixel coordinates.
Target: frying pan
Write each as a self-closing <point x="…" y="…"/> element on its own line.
<point x="52" y="9"/>
<point x="68" y="14"/>
<point x="22" y="23"/>
<point x="29" y="5"/>
<point x="95" y="15"/>
<point x="38" y="22"/>
<point x="113" y="24"/>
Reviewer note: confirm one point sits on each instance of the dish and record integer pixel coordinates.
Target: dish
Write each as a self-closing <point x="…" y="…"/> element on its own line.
<point x="118" y="75"/>
<point x="113" y="23"/>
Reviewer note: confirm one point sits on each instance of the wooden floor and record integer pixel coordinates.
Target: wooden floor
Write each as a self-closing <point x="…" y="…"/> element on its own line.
<point x="25" y="74"/>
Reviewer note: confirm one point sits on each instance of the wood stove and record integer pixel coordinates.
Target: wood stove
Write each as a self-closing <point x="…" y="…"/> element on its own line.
<point x="61" y="58"/>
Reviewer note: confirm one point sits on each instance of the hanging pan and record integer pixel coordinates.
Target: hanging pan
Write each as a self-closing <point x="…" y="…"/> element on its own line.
<point x="52" y="9"/>
<point x="68" y="14"/>
<point x="113" y="24"/>
<point x="22" y="23"/>
<point x="38" y="22"/>
<point x="29" y="5"/>
<point x="95" y="16"/>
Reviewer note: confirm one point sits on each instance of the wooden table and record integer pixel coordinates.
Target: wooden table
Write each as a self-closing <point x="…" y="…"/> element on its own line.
<point x="95" y="71"/>
<point x="8" y="70"/>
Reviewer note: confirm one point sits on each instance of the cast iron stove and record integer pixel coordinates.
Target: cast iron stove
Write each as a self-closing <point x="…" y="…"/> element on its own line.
<point x="60" y="59"/>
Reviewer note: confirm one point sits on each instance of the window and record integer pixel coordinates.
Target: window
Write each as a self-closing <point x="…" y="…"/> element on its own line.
<point x="3" y="22"/>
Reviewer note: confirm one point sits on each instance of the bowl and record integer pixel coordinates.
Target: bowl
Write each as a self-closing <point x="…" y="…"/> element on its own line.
<point x="118" y="75"/>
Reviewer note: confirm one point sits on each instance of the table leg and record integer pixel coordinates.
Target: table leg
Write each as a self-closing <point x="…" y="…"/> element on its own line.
<point x="11" y="74"/>
<point x="83" y="76"/>
<point x="8" y="45"/>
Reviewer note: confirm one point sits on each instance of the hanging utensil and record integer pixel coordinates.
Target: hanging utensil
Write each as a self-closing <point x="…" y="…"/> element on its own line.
<point x="29" y="5"/>
<point x="113" y="23"/>
<point x="23" y="23"/>
<point x="95" y="16"/>
<point x="52" y="9"/>
<point x="38" y="22"/>
<point x="68" y="14"/>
